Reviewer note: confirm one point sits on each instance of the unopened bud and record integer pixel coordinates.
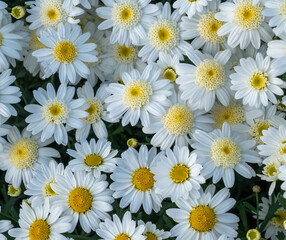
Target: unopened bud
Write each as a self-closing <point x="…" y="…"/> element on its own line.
<point x="253" y="234"/>
<point x="256" y="189"/>
<point x="14" y="192"/>
<point x="132" y="142"/>
<point x="18" y="12"/>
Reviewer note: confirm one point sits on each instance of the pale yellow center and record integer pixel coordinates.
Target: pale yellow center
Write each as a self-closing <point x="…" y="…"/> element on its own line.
<point x="257" y="128"/>
<point x="65" y="52"/>
<point x="95" y="110"/>
<point x="259" y="81"/>
<point x="125" y="54"/>
<point x="48" y="191"/>
<point x="55" y="111"/>
<point x="280" y="217"/>
<point x="35" y="43"/>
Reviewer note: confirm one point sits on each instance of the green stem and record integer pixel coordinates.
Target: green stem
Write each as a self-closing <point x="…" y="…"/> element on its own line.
<point x="8" y="216"/>
<point x="244" y="199"/>
<point x="76" y="236"/>
<point x="257" y="210"/>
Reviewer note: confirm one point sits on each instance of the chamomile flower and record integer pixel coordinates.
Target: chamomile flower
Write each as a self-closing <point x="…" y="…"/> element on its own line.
<point x="86" y="198"/>
<point x="244" y="22"/>
<point x="39" y="188"/>
<point x="208" y="79"/>
<point x="97" y="112"/>
<point x="134" y="181"/>
<point x="43" y="222"/>
<point x="4" y="130"/>
<point x="256" y="80"/>
<point x="176" y="124"/>
<point x="152" y="233"/>
<point x="50" y="13"/>
<point x="22" y="153"/>
<point x="190" y="7"/>
<point x="206" y="217"/>
<point x="128" y="19"/>
<point x="164" y="35"/>
<point x="120" y="230"/>
<point x="203" y="27"/>
<point x="223" y="151"/>
<point x="93" y="156"/>
<point x="5" y="225"/>
<point x="56" y="110"/>
<point x="139" y="96"/>
<point x="65" y="52"/>
<point x="177" y="175"/>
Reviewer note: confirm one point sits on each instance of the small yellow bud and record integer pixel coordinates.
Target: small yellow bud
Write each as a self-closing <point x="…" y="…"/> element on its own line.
<point x="18" y="12"/>
<point x="132" y="142"/>
<point x="13" y="192"/>
<point x="256" y="189"/>
<point x="253" y="234"/>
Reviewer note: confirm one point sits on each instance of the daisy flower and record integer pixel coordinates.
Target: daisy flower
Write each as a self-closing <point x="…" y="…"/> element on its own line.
<point x="86" y="198"/>
<point x="203" y="27"/>
<point x="277" y="48"/>
<point x="4" y="130"/>
<point x="134" y="181"/>
<point x="93" y="156"/>
<point x="282" y="177"/>
<point x="190" y="7"/>
<point x="223" y="151"/>
<point x="164" y="35"/>
<point x="43" y="222"/>
<point x="176" y="124"/>
<point x="97" y="112"/>
<point x="244" y="22"/>
<point x="66" y="52"/>
<point x="206" y="217"/>
<point x="54" y="112"/>
<point x="50" y="13"/>
<point x="151" y="231"/>
<point x="139" y="96"/>
<point x="256" y="80"/>
<point x="3" y="10"/>
<point x="177" y="175"/>
<point x="119" y="230"/>
<point x="208" y="79"/>
<point x="5" y="225"/>
<point x="21" y="155"/>
<point x="39" y="188"/>
<point x="128" y="19"/>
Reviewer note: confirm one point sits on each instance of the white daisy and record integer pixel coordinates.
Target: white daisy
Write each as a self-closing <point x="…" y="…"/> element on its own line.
<point x="39" y="188"/>
<point x="177" y="175"/>
<point x="86" y="198"/>
<point x="203" y="27"/>
<point x="128" y="19"/>
<point x="120" y="230"/>
<point x="256" y="80"/>
<point x="94" y="156"/>
<point x="208" y="79"/>
<point x="66" y="51"/>
<point x="5" y="225"/>
<point x="3" y="11"/>
<point x="282" y="177"/>
<point x="164" y="35"/>
<point x="190" y="7"/>
<point x="134" y="181"/>
<point x="4" y="130"/>
<point x="139" y="96"/>
<point x="44" y="222"/>
<point x="223" y="151"/>
<point x="176" y="124"/>
<point x="277" y="48"/>
<point x="245" y="23"/>
<point x="22" y="153"/>
<point x="97" y="112"/>
<point x="152" y="233"/>
<point x="56" y="110"/>
<point x="50" y="13"/>
<point x="204" y="218"/>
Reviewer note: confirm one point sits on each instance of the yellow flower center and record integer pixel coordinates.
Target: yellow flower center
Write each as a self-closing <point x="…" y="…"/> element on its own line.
<point x="191" y="1"/>
<point x="142" y="179"/>
<point x="163" y="35"/>
<point x="280" y="217"/>
<point x="95" y="110"/>
<point x="1" y="39"/>
<point x="170" y="73"/>
<point x="233" y="114"/>
<point x="202" y="218"/>
<point x="210" y="75"/>
<point x="125" y="54"/>
<point x="136" y="94"/>
<point x="257" y="128"/>
<point x="126" y="14"/>
<point x="180" y="173"/>
<point x="282" y="150"/>
<point x="39" y="230"/>
<point x="122" y="236"/>
<point x="150" y="236"/>
<point x="52" y="13"/>
<point x="225" y="152"/>
<point x="48" y="191"/>
<point x="65" y="52"/>
<point x="208" y="27"/>
<point x="247" y="16"/>
<point x="93" y="160"/>
<point x="24" y="153"/>
<point x="259" y="81"/>
<point x="80" y="200"/>
<point x="270" y="170"/>
<point x="55" y="111"/>
<point x="283" y="9"/>
<point x="178" y="120"/>
<point x="35" y="43"/>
